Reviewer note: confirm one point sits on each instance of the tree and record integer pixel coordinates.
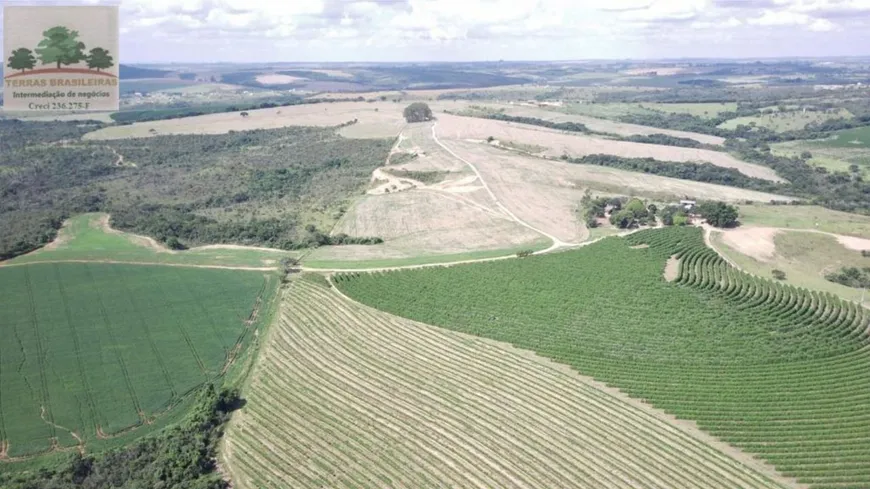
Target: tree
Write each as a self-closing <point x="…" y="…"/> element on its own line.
<point x="60" y="46"/>
<point x="417" y="112"/>
<point x="652" y="208"/>
<point x="22" y="59"/>
<point x="778" y="274"/>
<point x="99" y="59"/>
<point x="623" y="219"/>
<point x="718" y="213"/>
<point x="637" y="208"/>
<point x="173" y="244"/>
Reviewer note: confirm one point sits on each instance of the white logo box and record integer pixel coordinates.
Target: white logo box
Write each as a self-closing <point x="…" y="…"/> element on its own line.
<point x="60" y="57"/>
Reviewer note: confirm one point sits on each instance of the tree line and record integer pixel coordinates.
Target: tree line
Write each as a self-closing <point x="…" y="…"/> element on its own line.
<point x="181" y="456"/>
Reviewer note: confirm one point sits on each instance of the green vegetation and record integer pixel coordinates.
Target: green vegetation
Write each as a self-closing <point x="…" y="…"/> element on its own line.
<point x="805" y="258"/>
<point x="427" y="177"/>
<point x="858" y="278"/>
<point x="262" y="187"/>
<point x="98" y="349"/>
<point x="87" y="237"/>
<point x="561" y="126"/>
<point x="858" y="137"/>
<point x="718" y="214"/>
<point x="698" y="172"/>
<point x="805" y="217"/>
<point x="706" y="110"/>
<point x="786" y="121"/>
<point x="183" y="455"/>
<point x="777" y="371"/>
<point x="316" y="262"/>
<point x="417" y="112"/>
<point x="162" y="113"/>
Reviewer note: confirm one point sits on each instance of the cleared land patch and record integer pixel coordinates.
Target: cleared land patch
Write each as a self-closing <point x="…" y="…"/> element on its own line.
<point x="276" y="79"/>
<point x="600" y="125"/>
<point x="384" y="122"/>
<point x="777" y="371"/>
<point x="805" y="257"/>
<point x="93" y="350"/>
<point x="546" y="192"/>
<point x="576" y="145"/>
<point x="423" y="223"/>
<point x="754" y="242"/>
<point x="345" y="396"/>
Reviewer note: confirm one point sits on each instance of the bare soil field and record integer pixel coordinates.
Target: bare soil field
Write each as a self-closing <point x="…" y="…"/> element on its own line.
<point x="346" y="396"/>
<point x="547" y="191"/>
<point x="601" y="125"/>
<point x="672" y="269"/>
<point x="275" y="79"/>
<point x="423" y="222"/>
<point x="852" y="243"/>
<point x="757" y="243"/>
<point x="385" y="122"/>
<point x="417" y="140"/>
<point x="575" y="145"/>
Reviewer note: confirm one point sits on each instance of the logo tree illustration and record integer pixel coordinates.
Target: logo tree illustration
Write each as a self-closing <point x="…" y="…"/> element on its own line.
<point x="60" y="46"/>
<point x="99" y="58"/>
<point x="22" y="59"/>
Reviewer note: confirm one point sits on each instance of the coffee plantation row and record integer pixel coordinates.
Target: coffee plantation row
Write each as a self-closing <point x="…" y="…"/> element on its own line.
<point x="779" y="371"/>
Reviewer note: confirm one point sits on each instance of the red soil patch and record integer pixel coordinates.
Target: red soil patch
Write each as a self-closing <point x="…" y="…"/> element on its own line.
<point x="79" y="71"/>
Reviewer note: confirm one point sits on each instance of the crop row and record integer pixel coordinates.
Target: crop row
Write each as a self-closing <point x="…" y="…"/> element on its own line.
<point x="349" y="397"/>
<point x="780" y="371"/>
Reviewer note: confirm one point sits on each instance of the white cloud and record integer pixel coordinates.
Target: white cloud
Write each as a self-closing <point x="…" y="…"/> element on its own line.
<point x="822" y="25"/>
<point x="778" y="18"/>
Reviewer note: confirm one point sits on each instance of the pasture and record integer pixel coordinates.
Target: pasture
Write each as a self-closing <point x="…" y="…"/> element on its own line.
<point x="89" y="237"/>
<point x="92" y="351"/>
<point x="805" y="257"/>
<point x="776" y="371"/>
<point x="850" y="138"/>
<point x="375" y="120"/>
<point x="347" y="396"/>
<point x="705" y="110"/>
<point x="799" y="217"/>
<point x="786" y="121"/>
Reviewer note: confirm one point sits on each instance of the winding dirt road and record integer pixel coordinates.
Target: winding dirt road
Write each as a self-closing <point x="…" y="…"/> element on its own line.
<point x="557" y="243"/>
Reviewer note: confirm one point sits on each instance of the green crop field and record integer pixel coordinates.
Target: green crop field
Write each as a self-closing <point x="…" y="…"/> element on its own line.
<point x="780" y="372"/>
<point x="90" y="351"/>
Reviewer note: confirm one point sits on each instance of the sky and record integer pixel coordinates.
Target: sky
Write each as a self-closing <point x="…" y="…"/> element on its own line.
<point x="186" y="31"/>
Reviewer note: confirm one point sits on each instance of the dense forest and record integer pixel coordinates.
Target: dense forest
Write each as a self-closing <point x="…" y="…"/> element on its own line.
<point x="280" y="188"/>
<point x="182" y="456"/>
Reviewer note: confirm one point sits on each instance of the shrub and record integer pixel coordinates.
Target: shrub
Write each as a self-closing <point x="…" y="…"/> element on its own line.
<point x="778" y="274"/>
